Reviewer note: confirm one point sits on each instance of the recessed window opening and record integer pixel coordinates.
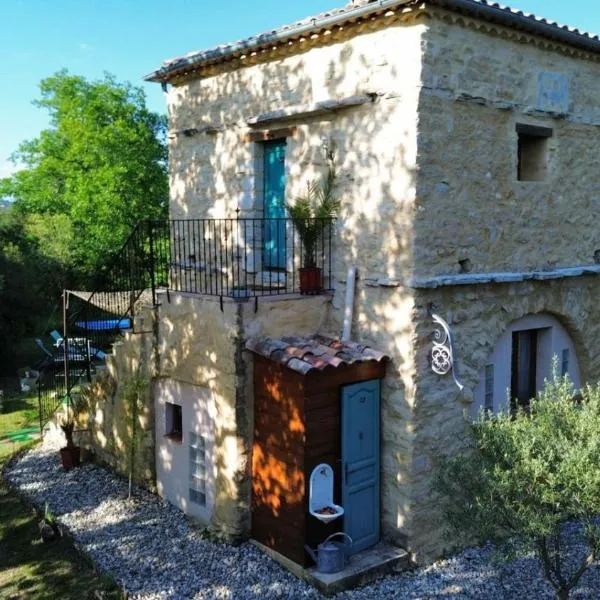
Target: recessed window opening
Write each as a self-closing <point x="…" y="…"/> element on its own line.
<point x="523" y="358"/>
<point x="532" y="151"/>
<point x="173" y="422"/>
<point x="524" y="367"/>
<point x="489" y="388"/>
<point x="465" y="265"/>
<point x="197" y="469"/>
<point x="564" y="363"/>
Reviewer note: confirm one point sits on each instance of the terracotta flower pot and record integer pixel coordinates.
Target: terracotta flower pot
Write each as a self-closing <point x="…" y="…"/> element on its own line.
<point x="310" y="280"/>
<point x="70" y="457"/>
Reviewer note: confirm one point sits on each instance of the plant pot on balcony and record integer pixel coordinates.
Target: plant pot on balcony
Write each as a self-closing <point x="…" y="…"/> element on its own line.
<point x="310" y="280"/>
<point x="312" y="215"/>
<point x="70" y="457"/>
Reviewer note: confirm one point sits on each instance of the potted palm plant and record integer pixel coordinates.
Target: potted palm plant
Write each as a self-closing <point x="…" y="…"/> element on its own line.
<point x="310" y="214"/>
<point x="70" y="455"/>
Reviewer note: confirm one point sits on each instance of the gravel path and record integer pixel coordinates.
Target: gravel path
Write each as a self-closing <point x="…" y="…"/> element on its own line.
<point x="153" y="551"/>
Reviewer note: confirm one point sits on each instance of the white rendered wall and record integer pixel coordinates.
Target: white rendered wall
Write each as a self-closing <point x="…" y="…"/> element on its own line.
<point x="552" y="340"/>
<point x="172" y="457"/>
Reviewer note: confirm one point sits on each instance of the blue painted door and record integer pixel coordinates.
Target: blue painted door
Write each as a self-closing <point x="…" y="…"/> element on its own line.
<point x="360" y="462"/>
<point x="274" y="205"/>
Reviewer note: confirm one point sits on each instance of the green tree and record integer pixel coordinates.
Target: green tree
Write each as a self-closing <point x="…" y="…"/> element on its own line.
<point x="27" y="279"/>
<point x="96" y="171"/>
<point x="526" y="476"/>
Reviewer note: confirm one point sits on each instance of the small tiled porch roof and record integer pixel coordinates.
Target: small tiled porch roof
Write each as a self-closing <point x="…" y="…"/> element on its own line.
<point x="317" y="352"/>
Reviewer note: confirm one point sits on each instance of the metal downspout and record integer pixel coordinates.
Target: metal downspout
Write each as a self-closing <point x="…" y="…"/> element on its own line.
<point x="349" y="307"/>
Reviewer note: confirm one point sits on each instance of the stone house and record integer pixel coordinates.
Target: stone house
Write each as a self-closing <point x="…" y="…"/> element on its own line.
<point x="463" y="135"/>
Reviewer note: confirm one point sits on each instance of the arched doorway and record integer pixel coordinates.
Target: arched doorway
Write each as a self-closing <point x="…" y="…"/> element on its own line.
<point x="521" y="360"/>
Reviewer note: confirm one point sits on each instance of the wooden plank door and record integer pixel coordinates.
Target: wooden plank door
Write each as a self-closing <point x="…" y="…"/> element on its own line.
<point x="361" y="463"/>
<point x="274" y="205"/>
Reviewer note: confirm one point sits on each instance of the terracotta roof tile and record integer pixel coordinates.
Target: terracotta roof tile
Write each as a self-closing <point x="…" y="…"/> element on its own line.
<point x="299" y="365"/>
<point x="303" y="354"/>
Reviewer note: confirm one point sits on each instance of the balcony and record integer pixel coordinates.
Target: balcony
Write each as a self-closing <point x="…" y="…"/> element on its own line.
<point x="242" y="258"/>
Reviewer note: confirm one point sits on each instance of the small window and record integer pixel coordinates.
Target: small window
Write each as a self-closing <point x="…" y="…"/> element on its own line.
<point x="564" y="362"/>
<point x="174" y="422"/>
<point x="489" y="388"/>
<point x="197" y="469"/>
<point x="532" y="152"/>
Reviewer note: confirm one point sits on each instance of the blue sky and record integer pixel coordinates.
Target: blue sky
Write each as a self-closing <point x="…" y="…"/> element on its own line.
<point x="130" y="38"/>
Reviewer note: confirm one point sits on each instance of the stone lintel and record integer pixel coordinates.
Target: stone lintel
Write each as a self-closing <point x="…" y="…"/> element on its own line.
<point x="310" y="110"/>
<point x="271" y="134"/>
<point x="502" y="277"/>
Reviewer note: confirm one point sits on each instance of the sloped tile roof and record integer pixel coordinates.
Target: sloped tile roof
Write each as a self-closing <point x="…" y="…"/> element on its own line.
<point x="481" y="8"/>
<point x="318" y="352"/>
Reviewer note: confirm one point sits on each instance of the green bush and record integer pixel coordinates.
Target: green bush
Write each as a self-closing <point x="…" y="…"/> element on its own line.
<point x="527" y="474"/>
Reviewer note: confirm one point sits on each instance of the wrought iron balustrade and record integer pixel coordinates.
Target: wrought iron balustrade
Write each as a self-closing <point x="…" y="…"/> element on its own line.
<point x="244" y="257"/>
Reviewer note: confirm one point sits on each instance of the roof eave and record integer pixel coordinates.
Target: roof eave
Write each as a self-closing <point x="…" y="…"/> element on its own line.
<point x="519" y="20"/>
<point x="481" y="9"/>
<point x="164" y="73"/>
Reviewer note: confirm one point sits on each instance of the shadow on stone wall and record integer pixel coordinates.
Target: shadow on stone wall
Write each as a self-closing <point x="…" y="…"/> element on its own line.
<point x="375" y="153"/>
<point x="108" y="414"/>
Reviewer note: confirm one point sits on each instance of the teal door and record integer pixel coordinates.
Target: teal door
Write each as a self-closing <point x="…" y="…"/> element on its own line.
<point x="274" y="205"/>
<point x="360" y="461"/>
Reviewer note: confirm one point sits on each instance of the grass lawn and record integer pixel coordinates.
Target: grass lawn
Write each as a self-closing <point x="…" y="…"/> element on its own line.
<point x="32" y="570"/>
<point x="20" y="411"/>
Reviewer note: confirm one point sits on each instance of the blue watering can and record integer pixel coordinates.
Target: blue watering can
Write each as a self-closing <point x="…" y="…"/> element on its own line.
<point x="330" y="556"/>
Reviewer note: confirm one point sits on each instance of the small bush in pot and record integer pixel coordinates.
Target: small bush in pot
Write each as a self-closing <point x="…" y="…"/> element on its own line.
<point x="309" y="214"/>
<point x="71" y="454"/>
<point x="49" y="530"/>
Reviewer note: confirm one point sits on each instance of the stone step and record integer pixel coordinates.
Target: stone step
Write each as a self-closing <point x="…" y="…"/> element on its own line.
<point x="362" y="568"/>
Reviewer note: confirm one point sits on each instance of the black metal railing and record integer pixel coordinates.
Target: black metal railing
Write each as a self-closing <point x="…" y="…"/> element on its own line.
<point x="246" y="257"/>
<point x="236" y="258"/>
<point x="52" y="387"/>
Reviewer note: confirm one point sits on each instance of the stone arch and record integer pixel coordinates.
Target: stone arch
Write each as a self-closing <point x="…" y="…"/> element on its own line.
<point x="556" y="299"/>
<point x="522" y="358"/>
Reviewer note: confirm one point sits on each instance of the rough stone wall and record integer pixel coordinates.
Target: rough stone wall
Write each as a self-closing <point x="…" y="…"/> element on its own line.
<point x="478" y="82"/>
<point x="428" y="177"/>
<point x="375" y="154"/>
<point x="478" y="315"/>
<point x="107" y="418"/>
<point x="469" y="205"/>
<point x="213" y="174"/>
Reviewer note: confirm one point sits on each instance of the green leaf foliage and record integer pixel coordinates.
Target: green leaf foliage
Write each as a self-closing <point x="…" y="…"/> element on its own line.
<point x="96" y="171"/>
<point x="526" y="474"/>
<point x="309" y="211"/>
<point x="29" y="281"/>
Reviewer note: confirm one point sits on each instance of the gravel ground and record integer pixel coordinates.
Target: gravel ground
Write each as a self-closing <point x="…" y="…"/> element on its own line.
<point x="153" y="551"/>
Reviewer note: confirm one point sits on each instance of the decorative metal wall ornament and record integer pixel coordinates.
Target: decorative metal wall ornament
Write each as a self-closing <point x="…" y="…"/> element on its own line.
<point x="442" y="353"/>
